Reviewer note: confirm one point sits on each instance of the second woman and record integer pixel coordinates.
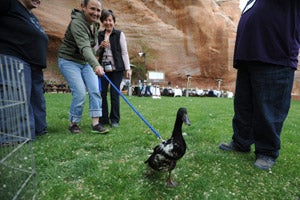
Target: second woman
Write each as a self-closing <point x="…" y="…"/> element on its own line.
<point x="114" y="57"/>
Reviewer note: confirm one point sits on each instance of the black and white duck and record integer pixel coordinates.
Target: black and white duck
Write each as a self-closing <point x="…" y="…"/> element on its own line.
<point x="166" y="154"/>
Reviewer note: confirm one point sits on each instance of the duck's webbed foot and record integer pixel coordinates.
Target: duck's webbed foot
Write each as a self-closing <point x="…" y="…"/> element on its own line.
<point x="170" y="182"/>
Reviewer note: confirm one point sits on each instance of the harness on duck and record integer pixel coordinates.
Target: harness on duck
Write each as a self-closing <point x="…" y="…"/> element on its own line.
<point x="133" y="108"/>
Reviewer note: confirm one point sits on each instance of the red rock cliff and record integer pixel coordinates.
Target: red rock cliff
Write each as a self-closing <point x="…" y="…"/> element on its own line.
<point x="194" y="37"/>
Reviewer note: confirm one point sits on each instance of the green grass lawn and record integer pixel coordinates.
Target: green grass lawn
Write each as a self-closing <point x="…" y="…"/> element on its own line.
<point x="94" y="166"/>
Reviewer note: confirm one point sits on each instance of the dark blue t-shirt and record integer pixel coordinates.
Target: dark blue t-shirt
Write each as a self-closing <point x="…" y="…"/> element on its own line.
<point x="269" y="31"/>
<point x="21" y="34"/>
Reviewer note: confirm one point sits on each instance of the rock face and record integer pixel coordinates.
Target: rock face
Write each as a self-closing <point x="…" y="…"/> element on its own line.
<point x="180" y="38"/>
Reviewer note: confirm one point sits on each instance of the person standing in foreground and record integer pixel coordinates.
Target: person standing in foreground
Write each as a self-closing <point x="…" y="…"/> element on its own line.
<point x="266" y="57"/>
<point x="114" y="57"/>
<point x="23" y="39"/>
<point x="79" y="65"/>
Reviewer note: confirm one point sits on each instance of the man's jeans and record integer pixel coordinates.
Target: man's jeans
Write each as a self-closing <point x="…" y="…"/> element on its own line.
<point x="81" y="77"/>
<point x="261" y="104"/>
<point x="34" y="98"/>
<point x="35" y="79"/>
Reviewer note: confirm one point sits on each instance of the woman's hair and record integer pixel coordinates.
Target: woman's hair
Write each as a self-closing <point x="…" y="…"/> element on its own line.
<point x="85" y="2"/>
<point x="107" y="13"/>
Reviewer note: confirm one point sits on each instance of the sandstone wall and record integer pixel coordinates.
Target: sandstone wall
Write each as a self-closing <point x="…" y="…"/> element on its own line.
<point x="180" y="37"/>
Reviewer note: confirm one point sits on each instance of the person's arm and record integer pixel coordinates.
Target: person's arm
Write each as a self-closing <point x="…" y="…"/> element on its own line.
<point x="81" y="36"/>
<point x="125" y="55"/>
<point x="5" y="5"/>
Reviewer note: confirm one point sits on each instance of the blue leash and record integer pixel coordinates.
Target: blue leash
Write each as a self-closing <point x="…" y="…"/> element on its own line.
<point x="133" y="108"/>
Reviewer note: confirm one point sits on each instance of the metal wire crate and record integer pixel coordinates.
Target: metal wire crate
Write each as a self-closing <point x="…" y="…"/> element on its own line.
<point x="17" y="168"/>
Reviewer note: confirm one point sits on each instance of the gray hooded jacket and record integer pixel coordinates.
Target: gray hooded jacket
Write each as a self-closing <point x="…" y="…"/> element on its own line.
<point x="79" y="41"/>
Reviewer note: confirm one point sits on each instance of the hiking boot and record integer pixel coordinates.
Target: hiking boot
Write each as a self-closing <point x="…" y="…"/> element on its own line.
<point x="264" y="162"/>
<point x="98" y="128"/>
<point x="232" y="146"/>
<point x="74" y="128"/>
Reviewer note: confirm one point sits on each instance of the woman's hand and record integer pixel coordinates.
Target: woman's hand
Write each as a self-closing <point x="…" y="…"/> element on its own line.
<point x="128" y="73"/>
<point x="99" y="71"/>
<point x="104" y="44"/>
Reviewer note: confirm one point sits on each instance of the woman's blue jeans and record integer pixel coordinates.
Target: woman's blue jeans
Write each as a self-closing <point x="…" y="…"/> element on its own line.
<point x="261" y="104"/>
<point x="81" y="77"/>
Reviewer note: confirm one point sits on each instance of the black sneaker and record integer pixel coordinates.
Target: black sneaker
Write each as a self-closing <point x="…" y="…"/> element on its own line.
<point x="98" y="128"/>
<point x="232" y="146"/>
<point x="74" y="129"/>
<point x="40" y="133"/>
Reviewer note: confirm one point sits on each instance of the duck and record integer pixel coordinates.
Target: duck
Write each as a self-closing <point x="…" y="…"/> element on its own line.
<point x="165" y="155"/>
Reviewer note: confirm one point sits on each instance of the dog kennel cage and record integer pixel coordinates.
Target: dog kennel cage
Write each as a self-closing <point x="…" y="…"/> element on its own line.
<point x="17" y="167"/>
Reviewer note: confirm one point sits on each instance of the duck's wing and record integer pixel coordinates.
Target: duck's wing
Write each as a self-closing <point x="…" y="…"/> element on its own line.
<point x="158" y="160"/>
<point x="178" y="150"/>
<point x="158" y="150"/>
